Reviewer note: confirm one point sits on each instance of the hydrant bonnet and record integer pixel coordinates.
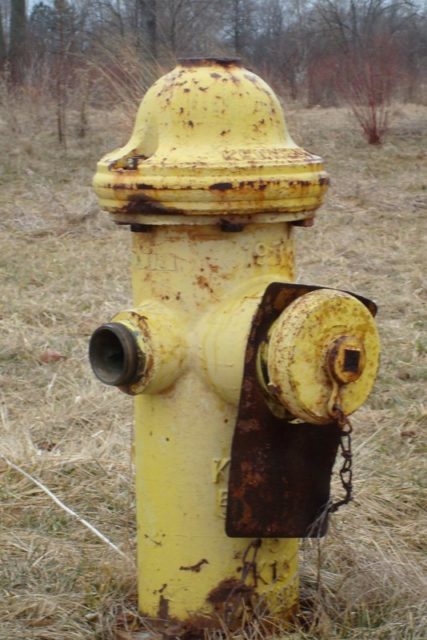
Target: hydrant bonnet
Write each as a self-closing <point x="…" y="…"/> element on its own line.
<point x="210" y="139"/>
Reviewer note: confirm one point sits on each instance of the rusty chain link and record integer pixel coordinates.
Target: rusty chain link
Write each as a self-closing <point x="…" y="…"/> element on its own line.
<point x="346" y="471"/>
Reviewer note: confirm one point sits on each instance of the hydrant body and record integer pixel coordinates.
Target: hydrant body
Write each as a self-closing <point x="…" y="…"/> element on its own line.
<point x="188" y="568"/>
<point x="219" y="344"/>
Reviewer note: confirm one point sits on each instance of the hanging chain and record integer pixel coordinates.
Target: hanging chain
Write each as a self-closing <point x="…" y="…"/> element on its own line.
<point x="346" y="471"/>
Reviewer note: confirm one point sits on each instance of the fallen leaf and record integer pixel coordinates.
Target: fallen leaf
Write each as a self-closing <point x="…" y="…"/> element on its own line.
<point x="45" y="445"/>
<point x="51" y="356"/>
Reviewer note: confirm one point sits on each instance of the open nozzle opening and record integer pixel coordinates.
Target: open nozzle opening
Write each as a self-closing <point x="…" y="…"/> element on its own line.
<point x="114" y="354"/>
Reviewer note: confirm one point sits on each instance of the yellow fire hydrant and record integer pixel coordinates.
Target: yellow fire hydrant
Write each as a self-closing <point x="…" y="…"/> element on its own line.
<point x="243" y="380"/>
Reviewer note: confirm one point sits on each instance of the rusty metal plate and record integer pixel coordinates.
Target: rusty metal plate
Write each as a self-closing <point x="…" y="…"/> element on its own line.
<point x="280" y="471"/>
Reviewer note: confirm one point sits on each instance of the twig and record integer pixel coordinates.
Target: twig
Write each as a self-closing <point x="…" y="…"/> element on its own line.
<point x="64" y="506"/>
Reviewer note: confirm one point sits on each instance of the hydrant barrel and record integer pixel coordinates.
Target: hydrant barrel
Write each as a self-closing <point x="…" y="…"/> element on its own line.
<point x="234" y="375"/>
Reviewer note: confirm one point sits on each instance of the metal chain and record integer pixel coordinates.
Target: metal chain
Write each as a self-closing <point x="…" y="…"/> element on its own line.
<point x="346" y="471"/>
<point x="250" y="565"/>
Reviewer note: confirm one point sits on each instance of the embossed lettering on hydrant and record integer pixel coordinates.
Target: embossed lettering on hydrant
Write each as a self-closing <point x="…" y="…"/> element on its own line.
<point x="158" y="262"/>
<point x="219" y="465"/>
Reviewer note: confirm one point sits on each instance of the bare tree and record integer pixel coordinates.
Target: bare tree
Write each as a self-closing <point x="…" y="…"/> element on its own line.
<point x="3" y="51"/>
<point x="146" y="14"/>
<point x="17" y="53"/>
<point x="189" y="27"/>
<point x="367" y="81"/>
<point x="238" y="24"/>
<point x="281" y="43"/>
<point x="304" y="47"/>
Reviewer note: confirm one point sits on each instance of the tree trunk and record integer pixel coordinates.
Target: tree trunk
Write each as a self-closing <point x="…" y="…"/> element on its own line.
<point x="17" y="42"/>
<point x="148" y="14"/>
<point x="61" y="86"/>
<point x="3" y="53"/>
<point x="152" y="28"/>
<point x="237" y="35"/>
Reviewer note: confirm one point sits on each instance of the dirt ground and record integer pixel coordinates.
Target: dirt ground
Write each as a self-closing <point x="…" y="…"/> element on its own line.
<point x="64" y="268"/>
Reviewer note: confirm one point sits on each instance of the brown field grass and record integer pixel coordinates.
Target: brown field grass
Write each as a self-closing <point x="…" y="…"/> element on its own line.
<point x="64" y="269"/>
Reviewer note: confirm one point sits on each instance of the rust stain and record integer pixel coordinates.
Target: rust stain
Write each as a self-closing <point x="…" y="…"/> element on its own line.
<point x="221" y="186"/>
<point x="258" y="185"/>
<point x="229" y="614"/>
<point x="209" y="61"/>
<point x="232" y="599"/>
<point x="299" y="183"/>
<point x="163" y="610"/>
<point x="230" y="226"/>
<point x="162" y="588"/>
<point x="279" y="474"/>
<point x="195" y="567"/>
<point x="156" y="542"/>
<point x="307" y="222"/>
<point x="228" y="589"/>
<point x="141" y="203"/>
<point x="141" y="185"/>
<point x="127" y="164"/>
<point x="203" y="282"/>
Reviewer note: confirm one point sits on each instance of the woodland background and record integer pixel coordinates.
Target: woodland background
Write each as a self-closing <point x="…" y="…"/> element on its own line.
<point x="364" y="53"/>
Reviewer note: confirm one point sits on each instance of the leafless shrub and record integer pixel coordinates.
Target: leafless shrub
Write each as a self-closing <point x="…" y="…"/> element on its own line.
<point x="367" y="79"/>
<point x="121" y="75"/>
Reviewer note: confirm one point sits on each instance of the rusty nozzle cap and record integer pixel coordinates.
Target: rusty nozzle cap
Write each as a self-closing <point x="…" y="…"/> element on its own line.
<point x="114" y="354"/>
<point x="323" y="341"/>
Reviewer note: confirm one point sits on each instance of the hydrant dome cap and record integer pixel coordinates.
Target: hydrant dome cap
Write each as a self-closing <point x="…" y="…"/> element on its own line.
<point x="210" y="139"/>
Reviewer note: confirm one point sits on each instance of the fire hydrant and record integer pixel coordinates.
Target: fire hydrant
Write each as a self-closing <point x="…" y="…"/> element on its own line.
<point x="243" y="380"/>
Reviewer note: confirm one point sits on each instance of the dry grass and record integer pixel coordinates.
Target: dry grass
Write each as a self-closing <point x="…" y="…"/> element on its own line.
<point x="64" y="268"/>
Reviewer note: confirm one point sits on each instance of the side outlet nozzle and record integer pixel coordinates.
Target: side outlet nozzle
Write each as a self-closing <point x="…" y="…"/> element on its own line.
<point x="141" y="350"/>
<point x="114" y="355"/>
